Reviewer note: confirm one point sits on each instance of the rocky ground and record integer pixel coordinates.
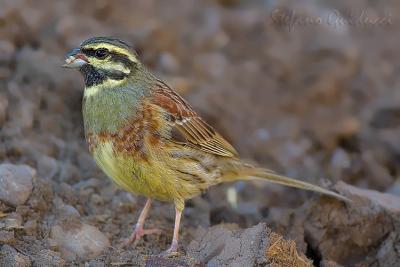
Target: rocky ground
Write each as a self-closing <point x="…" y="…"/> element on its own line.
<point x="317" y="101"/>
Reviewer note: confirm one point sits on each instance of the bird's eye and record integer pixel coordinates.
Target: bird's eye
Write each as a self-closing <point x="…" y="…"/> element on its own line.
<point x="101" y="53"/>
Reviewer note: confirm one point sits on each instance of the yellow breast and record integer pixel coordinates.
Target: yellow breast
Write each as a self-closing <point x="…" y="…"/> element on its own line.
<point x="149" y="178"/>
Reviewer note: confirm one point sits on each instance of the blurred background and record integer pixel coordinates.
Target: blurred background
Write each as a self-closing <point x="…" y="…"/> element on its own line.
<point x="307" y="88"/>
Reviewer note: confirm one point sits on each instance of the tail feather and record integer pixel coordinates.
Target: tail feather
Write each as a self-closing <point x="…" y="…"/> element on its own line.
<point x="283" y="180"/>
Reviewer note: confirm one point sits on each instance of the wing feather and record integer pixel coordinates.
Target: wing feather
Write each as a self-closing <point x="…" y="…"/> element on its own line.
<point x="196" y="132"/>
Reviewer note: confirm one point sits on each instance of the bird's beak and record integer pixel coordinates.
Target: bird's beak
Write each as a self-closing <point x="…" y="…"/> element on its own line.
<point x="75" y="59"/>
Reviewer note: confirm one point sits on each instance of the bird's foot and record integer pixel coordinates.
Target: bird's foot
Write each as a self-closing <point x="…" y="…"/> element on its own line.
<point x="137" y="234"/>
<point x="171" y="252"/>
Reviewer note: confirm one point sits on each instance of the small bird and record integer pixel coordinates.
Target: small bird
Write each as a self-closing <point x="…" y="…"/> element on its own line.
<point x="148" y="139"/>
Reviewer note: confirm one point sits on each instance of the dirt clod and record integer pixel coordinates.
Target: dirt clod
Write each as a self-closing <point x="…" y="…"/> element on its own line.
<point x="351" y="233"/>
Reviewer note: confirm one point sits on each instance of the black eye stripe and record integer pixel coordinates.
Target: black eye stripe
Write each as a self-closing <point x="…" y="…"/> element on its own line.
<point x="89" y="52"/>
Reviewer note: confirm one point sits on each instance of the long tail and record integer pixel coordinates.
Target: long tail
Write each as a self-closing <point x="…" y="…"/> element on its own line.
<point x="259" y="173"/>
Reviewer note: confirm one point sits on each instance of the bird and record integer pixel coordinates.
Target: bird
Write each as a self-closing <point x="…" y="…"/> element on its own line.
<point x="149" y="140"/>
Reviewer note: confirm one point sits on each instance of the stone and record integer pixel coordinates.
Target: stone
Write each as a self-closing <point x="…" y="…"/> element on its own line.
<point x="79" y="240"/>
<point x="16" y="183"/>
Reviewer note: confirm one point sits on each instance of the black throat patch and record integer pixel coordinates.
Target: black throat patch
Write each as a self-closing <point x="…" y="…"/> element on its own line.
<point x="93" y="76"/>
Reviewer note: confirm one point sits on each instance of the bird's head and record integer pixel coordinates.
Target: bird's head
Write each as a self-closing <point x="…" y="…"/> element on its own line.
<point x="102" y="59"/>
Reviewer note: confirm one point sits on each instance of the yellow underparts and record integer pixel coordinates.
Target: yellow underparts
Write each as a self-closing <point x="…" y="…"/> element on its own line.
<point x="154" y="178"/>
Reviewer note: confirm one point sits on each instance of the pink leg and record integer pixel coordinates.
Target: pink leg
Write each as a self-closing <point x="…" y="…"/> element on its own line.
<point x="174" y="245"/>
<point x="139" y="232"/>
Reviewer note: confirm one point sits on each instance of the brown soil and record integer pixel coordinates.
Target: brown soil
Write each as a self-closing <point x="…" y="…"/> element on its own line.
<point x="307" y="100"/>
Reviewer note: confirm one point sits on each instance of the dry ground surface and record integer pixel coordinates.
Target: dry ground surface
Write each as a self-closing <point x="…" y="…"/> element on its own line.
<point x="317" y="101"/>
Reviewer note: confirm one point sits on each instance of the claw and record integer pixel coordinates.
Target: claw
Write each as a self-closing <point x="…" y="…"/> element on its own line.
<point x="137" y="235"/>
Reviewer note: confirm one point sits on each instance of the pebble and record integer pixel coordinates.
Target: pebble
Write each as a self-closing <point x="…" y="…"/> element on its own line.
<point x="16" y="183"/>
<point x="77" y="239"/>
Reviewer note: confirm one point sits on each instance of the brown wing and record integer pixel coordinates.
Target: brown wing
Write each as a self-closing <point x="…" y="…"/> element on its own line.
<point x="196" y="132"/>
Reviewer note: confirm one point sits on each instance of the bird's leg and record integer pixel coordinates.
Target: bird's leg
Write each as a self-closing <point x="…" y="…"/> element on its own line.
<point x="173" y="249"/>
<point x="139" y="232"/>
